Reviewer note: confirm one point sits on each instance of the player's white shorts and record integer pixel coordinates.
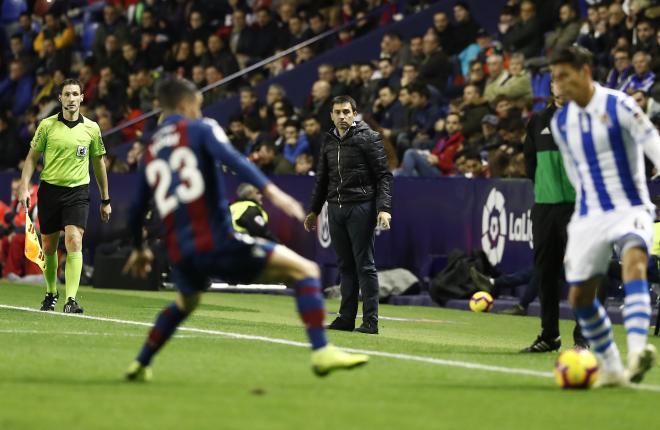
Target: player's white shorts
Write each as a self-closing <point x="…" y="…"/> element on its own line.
<point x="591" y="240"/>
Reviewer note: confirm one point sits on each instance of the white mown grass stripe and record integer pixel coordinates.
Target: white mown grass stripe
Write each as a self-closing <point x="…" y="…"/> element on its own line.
<point x="396" y="356"/>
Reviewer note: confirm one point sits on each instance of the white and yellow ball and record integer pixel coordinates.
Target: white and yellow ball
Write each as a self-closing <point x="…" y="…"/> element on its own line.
<point x="576" y="368"/>
<point x="481" y="301"/>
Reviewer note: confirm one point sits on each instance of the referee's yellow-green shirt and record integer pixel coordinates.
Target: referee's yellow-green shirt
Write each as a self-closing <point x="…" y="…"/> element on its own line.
<point x="67" y="146"/>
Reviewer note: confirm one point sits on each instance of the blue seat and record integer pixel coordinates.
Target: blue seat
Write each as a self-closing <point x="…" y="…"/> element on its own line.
<point x="11" y="10"/>
<point x="87" y="38"/>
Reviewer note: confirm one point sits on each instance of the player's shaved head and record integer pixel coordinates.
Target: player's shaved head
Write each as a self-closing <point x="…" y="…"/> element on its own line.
<point x="172" y="91"/>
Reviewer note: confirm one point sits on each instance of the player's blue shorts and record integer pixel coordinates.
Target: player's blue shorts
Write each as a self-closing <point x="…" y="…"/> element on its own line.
<point x="240" y="260"/>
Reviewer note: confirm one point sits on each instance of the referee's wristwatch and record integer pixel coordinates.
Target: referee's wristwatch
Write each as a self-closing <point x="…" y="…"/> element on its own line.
<point x="105" y="202"/>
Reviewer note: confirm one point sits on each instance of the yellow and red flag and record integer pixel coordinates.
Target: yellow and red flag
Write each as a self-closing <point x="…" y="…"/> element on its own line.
<point x="33" y="250"/>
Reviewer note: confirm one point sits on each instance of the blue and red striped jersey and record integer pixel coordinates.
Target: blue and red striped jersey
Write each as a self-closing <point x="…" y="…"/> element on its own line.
<point x="181" y="170"/>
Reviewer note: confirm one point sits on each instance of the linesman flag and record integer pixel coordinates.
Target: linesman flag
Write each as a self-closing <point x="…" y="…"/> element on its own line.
<point x="33" y="250"/>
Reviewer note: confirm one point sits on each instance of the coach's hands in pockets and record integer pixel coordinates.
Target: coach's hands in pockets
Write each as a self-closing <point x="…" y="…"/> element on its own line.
<point x="106" y="210"/>
<point x="139" y="263"/>
<point x="285" y="202"/>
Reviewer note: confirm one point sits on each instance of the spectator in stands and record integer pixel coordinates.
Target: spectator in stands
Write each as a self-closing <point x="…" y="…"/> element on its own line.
<point x="147" y="89"/>
<point x="304" y="164"/>
<point x="241" y="38"/>
<point x="314" y="135"/>
<point x="296" y="32"/>
<point x="197" y="28"/>
<point x="88" y="80"/>
<point x="17" y="51"/>
<point x="518" y="88"/>
<point x="409" y="75"/>
<point x="445" y="31"/>
<point x="12" y="149"/>
<point x="497" y="77"/>
<point x="318" y="25"/>
<point x="417" y="49"/>
<point x="150" y="51"/>
<point x="249" y="103"/>
<point x="265" y="34"/>
<point x="180" y="58"/>
<point x="198" y="76"/>
<point x="423" y="118"/>
<point x="134" y="155"/>
<point x="130" y="62"/>
<point x="255" y="136"/>
<point x="477" y="75"/>
<point x="435" y="69"/>
<point x="16" y="90"/>
<point x="646" y="39"/>
<point x="57" y="29"/>
<point x="321" y="104"/>
<point x="468" y="164"/>
<point x="199" y="50"/>
<point x="389" y="113"/>
<point x="213" y="75"/>
<point x="465" y="30"/>
<point x="392" y="47"/>
<point x="111" y="57"/>
<point x="113" y="23"/>
<point x="110" y="91"/>
<point x="270" y="161"/>
<point x="388" y="74"/>
<point x="474" y="108"/>
<point x="491" y="138"/>
<point x="44" y="87"/>
<point x="368" y="90"/>
<point x="219" y="56"/>
<point x="27" y="30"/>
<point x="648" y="104"/>
<point x="567" y="31"/>
<point x="643" y="78"/>
<point x="621" y="71"/>
<point x="295" y="143"/>
<point x="525" y="36"/>
<point x="440" y="160"/>
<point x="51" y="58"/>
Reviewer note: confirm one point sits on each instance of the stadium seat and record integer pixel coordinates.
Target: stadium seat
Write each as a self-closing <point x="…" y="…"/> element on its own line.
<point x="11" y="10"/>
<point x="87" y="38"/>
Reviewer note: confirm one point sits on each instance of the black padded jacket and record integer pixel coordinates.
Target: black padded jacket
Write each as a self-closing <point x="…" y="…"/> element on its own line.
<point x="353" y="169"/>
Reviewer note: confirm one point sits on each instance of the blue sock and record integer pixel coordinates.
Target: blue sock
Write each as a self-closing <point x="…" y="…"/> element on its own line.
<point x="309" y="301"/>
<point x="597" y="328"/>
<point x="164" y="327"/>
<point x="637" y="313"/>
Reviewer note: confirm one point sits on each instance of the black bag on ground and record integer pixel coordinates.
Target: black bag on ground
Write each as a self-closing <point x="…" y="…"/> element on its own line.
<point x="454" y="282"/>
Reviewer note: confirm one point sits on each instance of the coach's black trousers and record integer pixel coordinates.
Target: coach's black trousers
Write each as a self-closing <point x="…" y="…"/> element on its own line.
<point x="352" y="230"/>
<point x="549" y="223"/>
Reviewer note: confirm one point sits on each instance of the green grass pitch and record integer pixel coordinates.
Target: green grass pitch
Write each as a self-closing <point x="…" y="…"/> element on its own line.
<point x="66" y="372"/>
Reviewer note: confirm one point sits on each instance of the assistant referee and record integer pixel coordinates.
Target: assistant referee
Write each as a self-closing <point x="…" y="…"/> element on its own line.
<point x="66" y="141"/>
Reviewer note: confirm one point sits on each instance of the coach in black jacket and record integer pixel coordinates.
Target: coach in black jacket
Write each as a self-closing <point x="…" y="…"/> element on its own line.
<point x="352" y="175"/>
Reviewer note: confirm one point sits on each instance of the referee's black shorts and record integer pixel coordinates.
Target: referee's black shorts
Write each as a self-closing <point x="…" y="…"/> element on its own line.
<point x="61" y="206"/>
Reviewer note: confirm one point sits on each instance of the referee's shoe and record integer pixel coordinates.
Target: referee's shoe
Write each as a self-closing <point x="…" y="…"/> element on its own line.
<point x="72" y="307"/>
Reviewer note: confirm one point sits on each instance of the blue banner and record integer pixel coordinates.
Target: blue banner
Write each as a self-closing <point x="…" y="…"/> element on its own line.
<point x="430" y="218"/>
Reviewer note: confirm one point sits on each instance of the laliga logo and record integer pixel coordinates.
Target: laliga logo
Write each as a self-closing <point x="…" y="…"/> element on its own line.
<point x="323" y="227"/>
<point x="494" y="227"/>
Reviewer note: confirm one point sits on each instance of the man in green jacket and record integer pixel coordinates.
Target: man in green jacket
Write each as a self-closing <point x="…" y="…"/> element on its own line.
<point x="554" y="200"/>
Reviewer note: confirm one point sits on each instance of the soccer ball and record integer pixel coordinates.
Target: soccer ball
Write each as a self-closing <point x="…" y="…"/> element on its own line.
<point x="481" y="301"/>
<point x="576" y="368"/>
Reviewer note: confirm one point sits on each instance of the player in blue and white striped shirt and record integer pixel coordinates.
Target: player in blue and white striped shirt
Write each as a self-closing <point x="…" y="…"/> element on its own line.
<point x="603" y="136"/>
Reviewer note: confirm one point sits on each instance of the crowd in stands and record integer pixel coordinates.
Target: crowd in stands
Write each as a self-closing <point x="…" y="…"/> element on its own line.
<point x="452" y="100"/>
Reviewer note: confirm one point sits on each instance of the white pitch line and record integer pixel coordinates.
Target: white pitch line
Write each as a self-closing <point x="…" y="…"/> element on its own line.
<point x="396" y="356"/>
<point x="85" y="333"/>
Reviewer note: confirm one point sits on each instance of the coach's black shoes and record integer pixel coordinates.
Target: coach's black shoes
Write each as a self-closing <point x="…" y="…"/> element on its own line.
<point x="342" y="325"/>
<point x="368" y="327"/>
<point x="49" y="302"/>
<point x="543" y="345"/>
<point x="72" y="307"/>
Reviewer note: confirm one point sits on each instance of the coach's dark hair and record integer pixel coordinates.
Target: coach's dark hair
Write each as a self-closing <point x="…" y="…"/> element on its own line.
<point x="70" y="81"/>
<point x="171" y="91"/>
<point x="575" y="56"/>
<point x="340" y="100"/>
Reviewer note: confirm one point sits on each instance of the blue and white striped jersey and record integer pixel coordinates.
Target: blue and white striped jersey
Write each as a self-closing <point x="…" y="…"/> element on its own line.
<point x="603" y="148"/>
